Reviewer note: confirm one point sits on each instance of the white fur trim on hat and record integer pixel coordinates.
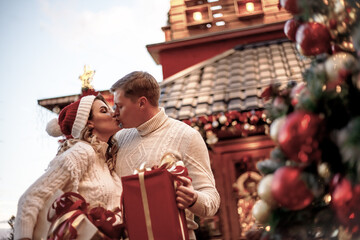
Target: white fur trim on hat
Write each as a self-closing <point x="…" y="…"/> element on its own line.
<point x="53" y="128"/>
<point x="82" y="115"/>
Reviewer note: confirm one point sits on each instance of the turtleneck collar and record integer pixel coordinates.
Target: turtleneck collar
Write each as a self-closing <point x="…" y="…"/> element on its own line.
<point x="152" y="124"/>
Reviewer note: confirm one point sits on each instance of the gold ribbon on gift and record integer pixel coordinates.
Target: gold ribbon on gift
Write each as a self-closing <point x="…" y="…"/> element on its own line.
<point x="146" y="206"/>
<point x="170" y="162"/>
<point x="141" y="169"/>
<point x="64" y="218"/>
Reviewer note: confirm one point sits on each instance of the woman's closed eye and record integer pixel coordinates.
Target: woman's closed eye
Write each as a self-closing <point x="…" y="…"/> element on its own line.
<point x="104" y="110"/>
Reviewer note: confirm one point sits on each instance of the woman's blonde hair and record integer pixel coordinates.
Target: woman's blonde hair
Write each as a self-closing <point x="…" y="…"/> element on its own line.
<point x="86" y="135"/>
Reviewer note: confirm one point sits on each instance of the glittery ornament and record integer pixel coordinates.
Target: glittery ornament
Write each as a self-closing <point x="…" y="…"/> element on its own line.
<point x="222" y="119"/>
<point x="211" y="137"/>
<point x="313" y="38"/>
<point x="264" y="190"/>
<point x="289" y="190"/>
<point x="290" y="6"/>
<point x="207" y="126"/>
<point x="299" y="136"/>
<point x="254" y="119"/>
<point x="215" y="124"/>
<point x="290" y="28"/>
<point x="275" y="126"/>
<point x="261" y="211"/>
<point x="335" y="63"/>
<point x="345" y="201"/>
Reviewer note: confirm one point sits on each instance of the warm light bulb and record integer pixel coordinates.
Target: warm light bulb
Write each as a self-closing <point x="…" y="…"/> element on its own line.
<point x="338" y="88"/>
<point x="197" y="16"/>
<point x="327" y="198"/>
<point x="250" y="7"/>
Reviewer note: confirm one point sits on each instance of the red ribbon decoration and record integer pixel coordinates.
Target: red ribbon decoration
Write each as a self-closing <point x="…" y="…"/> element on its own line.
<point x="103" y="219"/>
<point x="67" y="202"/>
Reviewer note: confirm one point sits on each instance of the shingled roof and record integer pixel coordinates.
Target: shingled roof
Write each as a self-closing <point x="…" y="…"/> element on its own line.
<point x="233" y="80"/>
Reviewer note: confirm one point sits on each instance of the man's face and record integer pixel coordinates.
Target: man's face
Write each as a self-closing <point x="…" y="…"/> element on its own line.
<point x="126" y="111"/>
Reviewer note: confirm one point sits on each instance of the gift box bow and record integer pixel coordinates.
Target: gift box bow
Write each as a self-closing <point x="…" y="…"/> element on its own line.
<point x="172" y="164"/>
<point x="70" y="209"/>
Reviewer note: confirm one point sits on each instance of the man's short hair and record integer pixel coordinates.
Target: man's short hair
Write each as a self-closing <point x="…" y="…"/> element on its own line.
<point x="137" y="84"/>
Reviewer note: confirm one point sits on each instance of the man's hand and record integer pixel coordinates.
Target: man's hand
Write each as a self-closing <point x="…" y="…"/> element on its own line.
<point x="185" y="193"/>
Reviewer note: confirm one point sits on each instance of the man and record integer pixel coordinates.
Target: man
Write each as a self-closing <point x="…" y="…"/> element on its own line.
<point x="149" y="134"/>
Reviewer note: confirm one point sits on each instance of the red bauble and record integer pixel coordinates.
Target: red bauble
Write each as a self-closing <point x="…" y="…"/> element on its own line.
<point x="289" y="190"/>
<point x="313" y="38"/>
<point x="208" y="126"/>
<point x="345" y="201"/>
<point x="299" y="136"/>
<point x="188" y="122"/>
<point x="333" y="23"/>
<point x="202" y="120"/>
<point x="290" y="28"/>
<point x="291" y="6"/>
<point x="254" y="119"/>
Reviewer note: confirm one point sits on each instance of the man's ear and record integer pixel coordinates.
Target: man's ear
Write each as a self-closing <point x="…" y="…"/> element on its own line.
<point x="142" y="101"/>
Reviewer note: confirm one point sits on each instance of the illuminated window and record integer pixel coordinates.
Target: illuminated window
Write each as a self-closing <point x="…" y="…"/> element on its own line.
<point x="198" y="16"/>
<point x="248" y="8"/>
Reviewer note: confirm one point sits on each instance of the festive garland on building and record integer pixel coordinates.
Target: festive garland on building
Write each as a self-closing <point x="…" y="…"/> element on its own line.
<point x="229" y="125"/>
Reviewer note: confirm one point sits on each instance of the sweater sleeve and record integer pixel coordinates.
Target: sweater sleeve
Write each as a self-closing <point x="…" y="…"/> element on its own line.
<point x="198" y="164"/>
<point x="65" y="170"/>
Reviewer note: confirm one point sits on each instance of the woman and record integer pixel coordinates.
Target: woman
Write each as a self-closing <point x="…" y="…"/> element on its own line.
<point x="84" y="164"/>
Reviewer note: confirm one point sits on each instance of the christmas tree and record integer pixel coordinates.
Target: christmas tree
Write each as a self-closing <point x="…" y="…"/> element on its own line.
<point x="311" y="183"/>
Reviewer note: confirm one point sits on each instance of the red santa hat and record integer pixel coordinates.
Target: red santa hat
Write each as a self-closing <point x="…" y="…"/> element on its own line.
<point x="72" y="118"/>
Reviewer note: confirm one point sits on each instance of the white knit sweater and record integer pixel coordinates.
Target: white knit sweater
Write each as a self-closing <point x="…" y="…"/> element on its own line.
<point x="149" y="142"/>
<point x="79" y="169"/>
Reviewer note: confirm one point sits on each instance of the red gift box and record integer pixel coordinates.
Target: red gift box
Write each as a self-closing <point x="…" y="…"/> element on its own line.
<point x="150" y="208"/>
<point x="71" y="219"/>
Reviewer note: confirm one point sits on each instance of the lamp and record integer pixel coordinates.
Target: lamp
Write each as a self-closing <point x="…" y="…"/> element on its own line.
<point x="246" y="9"/>
<point x="250" y="6"/>
<point x="197" y="16"/>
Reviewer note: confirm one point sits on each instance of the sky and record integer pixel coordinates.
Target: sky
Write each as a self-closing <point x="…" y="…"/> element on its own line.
<point x="44" y="45"/>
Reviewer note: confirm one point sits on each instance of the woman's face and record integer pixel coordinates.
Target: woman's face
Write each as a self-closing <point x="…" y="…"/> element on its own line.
<point x="102" y="122"/>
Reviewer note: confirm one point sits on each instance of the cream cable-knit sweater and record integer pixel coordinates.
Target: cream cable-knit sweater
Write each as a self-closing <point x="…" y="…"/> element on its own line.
<point x="150" y="141"/>
<point x="79" y="169"/>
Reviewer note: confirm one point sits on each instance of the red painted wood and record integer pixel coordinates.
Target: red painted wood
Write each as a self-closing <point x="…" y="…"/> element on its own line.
<point x="178" y="55"/>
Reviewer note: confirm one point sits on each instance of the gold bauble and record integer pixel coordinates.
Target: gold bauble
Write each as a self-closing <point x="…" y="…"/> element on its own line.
<point x="261" y="211"/>
<point x="275" y="126"/>
<point x="264" y="190"/>
<point x="324" y="170"/>
<point x="337" y="62"/>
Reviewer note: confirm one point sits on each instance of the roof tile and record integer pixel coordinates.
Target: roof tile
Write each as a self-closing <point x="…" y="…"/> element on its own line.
<point x="233" y="80"/>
